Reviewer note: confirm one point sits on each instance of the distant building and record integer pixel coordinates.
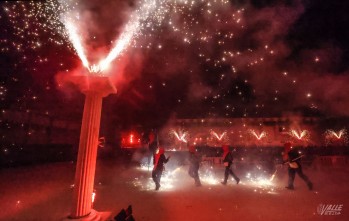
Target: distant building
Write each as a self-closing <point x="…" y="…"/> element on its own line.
<point x="36" y="128"/>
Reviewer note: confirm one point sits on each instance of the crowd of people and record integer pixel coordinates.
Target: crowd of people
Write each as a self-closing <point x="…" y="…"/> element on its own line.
<point x="290" y="156"/>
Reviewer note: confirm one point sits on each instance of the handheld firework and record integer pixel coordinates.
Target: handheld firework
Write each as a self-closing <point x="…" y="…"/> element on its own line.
<point x="284" y="163"/>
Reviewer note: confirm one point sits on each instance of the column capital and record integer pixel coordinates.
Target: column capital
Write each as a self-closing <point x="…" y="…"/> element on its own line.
<point x="89" y="83"/>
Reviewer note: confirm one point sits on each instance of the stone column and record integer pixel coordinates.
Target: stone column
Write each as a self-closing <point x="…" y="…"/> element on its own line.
<point x="94" y="88"/>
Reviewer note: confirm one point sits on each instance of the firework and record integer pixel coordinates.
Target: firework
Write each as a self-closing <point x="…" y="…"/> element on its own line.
<point x="207" y="175"/>
<point x="61" y="20"/>
<point x="332" y="136"/>
<point x="258" y="136"/>
<point x="219" y="137"/>
<point x="168" y="180"/>
<point x="76" y="41"/>
<point x="132" y="28"/>
<point x="301" y="135"/>
<point x="180" y="135"/>
<point x="273" y="175"/>
<point x="259" y="182"/>
<point x="32" y="19"/>
<point x="149" y="26"/>
<point x="339" y="135"/>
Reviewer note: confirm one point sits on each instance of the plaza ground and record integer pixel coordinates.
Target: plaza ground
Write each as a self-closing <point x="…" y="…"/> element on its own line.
<point x="44" y="192"/>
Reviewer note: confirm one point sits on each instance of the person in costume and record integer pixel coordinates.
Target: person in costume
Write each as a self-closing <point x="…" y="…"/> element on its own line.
<point x="159" y="166"/>
<point x="293" y="159"/>
<point x="228" y="161"/>
<point x="194" y="165"/>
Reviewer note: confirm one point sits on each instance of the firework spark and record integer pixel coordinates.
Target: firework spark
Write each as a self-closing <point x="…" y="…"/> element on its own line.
<point x="273" y="175"/>
<point x="338" y="134"/>
<point x="332" y="136"/>
<point x="180" y="135"/>
<point x="259" y="136"/>
<point x="131" y="29"/>
<point x="168" y="180"/>
<point x="300" y="135"/>
<point x="207" y="175"/>
<point x="76" y="41"/>
<point x="219" y="137"/>
<point x="260" y="183"/>
<point x="60" y="20"/>
<point x="151" y="26"/>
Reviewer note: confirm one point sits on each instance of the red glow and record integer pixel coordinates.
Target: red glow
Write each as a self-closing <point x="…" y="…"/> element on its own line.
<point x="131" y="140"/>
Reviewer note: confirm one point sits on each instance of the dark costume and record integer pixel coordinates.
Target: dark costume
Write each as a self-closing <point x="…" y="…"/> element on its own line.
<point x="293" y="159"/>
<point x="159" y="162"/>
<point x="194" y="164"/>
<point x="152" y="145"/>
<point x="125" y="215"/>
<point x="228" y="161"/>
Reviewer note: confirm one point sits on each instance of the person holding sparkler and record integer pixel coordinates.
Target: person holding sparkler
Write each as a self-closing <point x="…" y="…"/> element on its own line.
<point x="194" y="164"/>
<point x="292" y="158"/>
<point x="228" y="161"/>
<point x="159" y="167"/>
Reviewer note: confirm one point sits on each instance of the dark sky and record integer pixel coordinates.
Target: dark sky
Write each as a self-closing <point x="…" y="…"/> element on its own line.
<point x="234" y="59"/>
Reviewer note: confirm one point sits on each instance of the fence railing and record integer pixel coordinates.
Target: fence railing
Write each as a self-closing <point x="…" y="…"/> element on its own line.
<point x="319" y="162"/>
<point x="330" y="162"/>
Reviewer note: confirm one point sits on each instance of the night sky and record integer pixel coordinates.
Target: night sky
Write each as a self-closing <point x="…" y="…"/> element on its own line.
<point x="189" y="59"/>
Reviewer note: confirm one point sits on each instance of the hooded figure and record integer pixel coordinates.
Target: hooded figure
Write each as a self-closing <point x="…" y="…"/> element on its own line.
<point x="287" y="148"/>
<point x="228" y="161"/>
<point x="194" y="164"/>
<point x="159" y="161"/>
<point x="293" y="159"/>
<point x="152" y="146"/>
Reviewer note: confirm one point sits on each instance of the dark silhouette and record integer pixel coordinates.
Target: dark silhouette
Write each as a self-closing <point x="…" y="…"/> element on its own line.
<point x="228" y="161"/>
<point x="159" y="167"/>
<point x="194" y="164"/>
<point x="125" y="215"/>
<point x="293" y="159"/>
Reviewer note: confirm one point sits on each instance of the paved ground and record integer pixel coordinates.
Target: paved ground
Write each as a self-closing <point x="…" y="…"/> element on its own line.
<point x="44" y="193"/>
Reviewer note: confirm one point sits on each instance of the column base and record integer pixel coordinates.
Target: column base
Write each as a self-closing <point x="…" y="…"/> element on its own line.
<point x="93" y="216"/>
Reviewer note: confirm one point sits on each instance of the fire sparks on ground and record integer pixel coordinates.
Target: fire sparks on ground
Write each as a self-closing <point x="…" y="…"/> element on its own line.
<point x="210" y="176"/>
<point x="168" y="180"/>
